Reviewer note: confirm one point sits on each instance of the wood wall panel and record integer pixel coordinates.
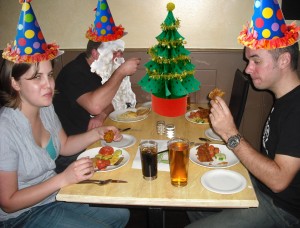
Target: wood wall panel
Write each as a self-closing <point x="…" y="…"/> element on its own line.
<point x="214" y="68"/>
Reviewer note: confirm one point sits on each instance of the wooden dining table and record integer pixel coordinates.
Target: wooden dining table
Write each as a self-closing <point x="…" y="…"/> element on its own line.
<point x="158" y="194"/>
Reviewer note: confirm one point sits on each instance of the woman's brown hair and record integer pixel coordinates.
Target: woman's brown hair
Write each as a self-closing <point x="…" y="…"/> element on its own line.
<point x="9" y="97"/>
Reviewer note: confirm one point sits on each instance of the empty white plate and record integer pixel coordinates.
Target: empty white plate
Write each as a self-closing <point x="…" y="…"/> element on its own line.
<point x="223" y="181"/>
<point x="209" y="133"/>
<point x="127" y="141"/>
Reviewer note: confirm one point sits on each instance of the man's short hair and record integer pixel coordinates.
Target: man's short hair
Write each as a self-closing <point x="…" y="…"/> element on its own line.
<point x="90" y="46"/>
<point x="294" y="52"/>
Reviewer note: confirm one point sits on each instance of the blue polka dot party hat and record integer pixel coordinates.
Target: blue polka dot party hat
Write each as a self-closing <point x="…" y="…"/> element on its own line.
<point x="104" y="28"/>
<point x="29" y="45"/>
<point x="268" y="29"/>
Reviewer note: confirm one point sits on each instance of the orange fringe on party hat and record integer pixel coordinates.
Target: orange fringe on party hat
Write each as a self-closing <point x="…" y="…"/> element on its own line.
<point x="13" y="54"/>
<point x="118" y="33"/>
<point x="249" y="38"/>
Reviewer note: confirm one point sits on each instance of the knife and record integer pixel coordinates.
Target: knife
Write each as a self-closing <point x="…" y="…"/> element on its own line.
<point x="125" y="129"/>
<point x="97" y="181"/>
<point x="118" y="181"/>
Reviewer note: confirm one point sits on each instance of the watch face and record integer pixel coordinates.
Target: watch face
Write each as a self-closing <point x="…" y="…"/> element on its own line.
<point x="233" y="141"/>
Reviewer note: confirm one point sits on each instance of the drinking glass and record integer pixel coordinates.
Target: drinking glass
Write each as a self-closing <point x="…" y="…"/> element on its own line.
<point x="179" y="151"/>
<point x="148" y="152"/>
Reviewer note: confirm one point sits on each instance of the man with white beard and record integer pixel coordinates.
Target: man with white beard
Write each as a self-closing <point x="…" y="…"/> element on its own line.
<point x="104" y="67"/>
<point x="83" y="100"/>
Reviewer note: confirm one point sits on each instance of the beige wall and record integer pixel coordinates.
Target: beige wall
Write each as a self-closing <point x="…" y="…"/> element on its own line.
<point x="204" y="23"/>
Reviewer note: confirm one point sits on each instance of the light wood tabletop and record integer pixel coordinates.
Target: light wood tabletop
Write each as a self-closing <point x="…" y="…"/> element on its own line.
<point x="158" y="192"/>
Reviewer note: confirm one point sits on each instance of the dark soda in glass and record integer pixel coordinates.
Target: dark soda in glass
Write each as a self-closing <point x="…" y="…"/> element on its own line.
<point x="149" y="162"/>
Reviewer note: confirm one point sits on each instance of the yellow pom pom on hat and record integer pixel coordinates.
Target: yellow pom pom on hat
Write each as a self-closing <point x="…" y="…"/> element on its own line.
<point x="170" y="6"/>
<point x="29" y="45"/>
<point x="104" y="28"/>
<point x="268" y="29"/>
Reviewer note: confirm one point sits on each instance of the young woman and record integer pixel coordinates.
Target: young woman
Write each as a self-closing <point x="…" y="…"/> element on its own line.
<point x="31" y="139"/>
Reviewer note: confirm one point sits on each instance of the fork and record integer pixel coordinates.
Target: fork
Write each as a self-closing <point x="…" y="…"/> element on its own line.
<point x="102" y="182"/>
<point x="99" y="182"/>
<point x="124" y="129"/>
<point x="118" y="162"/>
<point x="204" y="139"/>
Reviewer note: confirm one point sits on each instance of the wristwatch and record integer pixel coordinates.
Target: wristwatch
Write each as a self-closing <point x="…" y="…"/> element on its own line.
<point x="233" y="141"/>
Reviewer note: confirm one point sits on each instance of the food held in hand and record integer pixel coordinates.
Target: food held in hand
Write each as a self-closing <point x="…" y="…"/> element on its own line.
<point x="214" y="93"/>
<point x="109" y="136"/>
<point x="206" y="152"/>
<point x="105" y="157"/>
<point x="200" y="116"/>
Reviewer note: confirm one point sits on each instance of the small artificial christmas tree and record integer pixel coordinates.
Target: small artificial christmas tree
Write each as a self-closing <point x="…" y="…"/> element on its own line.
<point x="170" y="73"/>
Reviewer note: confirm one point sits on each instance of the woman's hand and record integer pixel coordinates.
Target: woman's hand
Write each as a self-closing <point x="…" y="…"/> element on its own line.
<point x="79" y="170"/>
<point x="117" y="135"/>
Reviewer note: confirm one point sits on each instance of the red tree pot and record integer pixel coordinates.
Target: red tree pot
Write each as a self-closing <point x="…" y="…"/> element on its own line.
<point x="169" y="107"/>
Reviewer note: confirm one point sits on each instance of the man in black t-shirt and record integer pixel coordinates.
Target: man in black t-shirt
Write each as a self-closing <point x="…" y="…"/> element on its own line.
<point x="275" y="171"/>
<point x="81" y="101"/>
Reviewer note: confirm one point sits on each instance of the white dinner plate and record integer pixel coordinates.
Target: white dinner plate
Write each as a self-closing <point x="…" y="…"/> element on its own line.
<point x="94" y="151"/>
<point x="147" y="104"/>
<point x="209" y="133"/>
<point x="114" y="116"/>
<point x="230" y="160"/>
<point x="223" y="181"/>
<point x="191" y="120"/>
<point x="127" y="141"/>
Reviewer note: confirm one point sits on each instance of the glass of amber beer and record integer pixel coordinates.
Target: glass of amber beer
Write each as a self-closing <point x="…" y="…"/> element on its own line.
<point x="179" y="150"/>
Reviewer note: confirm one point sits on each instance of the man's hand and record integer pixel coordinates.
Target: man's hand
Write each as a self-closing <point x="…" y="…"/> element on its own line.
<point x="129" y="67"/>
<point x="221" y="119"/>
<point x="97" y="121"/>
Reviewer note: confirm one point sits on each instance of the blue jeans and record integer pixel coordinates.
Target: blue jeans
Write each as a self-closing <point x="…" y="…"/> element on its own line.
<point x="266" y="215"/>
<point x="69" y="215"/>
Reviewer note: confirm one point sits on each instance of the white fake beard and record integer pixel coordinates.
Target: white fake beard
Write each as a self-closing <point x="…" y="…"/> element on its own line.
<point x="104" y="67"/>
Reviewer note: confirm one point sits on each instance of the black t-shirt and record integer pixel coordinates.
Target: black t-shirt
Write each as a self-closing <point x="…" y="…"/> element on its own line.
<point x="74" y="80"/>
<point x="281" y="136"/>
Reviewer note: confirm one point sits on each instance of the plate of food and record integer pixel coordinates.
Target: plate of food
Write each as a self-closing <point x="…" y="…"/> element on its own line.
<point x="209" y="133"/>
<point x="198" y="116"/>
<point x="223" y="181"/>
<point x="127" y="141"/>
<point x="106" y="158"/>
<point x="130" y="114"/>
<point x="213" y="156"/>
